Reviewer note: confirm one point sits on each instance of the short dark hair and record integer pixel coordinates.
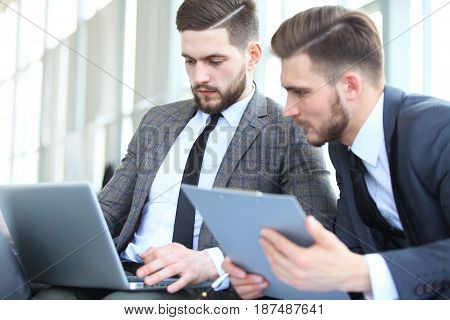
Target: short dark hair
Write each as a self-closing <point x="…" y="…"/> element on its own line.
<point x="335" y="39"/>
<point x="238" y="17"/>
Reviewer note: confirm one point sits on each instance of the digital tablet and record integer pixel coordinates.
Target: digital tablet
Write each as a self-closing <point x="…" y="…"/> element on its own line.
<point x="235" y="218"/>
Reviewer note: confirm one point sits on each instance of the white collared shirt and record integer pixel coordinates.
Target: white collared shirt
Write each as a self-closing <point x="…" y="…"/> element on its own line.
<point x="158" y="216"/>
<point x="369" y="145"/>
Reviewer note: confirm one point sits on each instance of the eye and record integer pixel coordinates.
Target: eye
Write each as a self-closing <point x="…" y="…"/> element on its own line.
<point x="300" y="93"/>
<point x="189" y="62"/>
<point x="215" y="62"/>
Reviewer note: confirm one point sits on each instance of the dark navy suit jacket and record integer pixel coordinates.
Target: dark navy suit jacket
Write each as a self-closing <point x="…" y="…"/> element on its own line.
<point x="417" y="138"/>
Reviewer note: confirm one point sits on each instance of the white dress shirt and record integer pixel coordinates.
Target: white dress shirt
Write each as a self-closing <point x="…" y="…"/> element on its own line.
<point x="369" y="146"/>
<point x="158" y="216"/>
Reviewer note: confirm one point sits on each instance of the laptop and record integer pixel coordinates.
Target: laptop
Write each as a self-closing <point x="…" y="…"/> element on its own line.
<point x="62" y="238"/>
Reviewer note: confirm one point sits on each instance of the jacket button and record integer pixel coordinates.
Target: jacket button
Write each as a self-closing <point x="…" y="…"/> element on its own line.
<point x="445" y="285"/>
<point x="428" y="288"/>
<point x="420" y="290"/>
<point x="437" y="285"/>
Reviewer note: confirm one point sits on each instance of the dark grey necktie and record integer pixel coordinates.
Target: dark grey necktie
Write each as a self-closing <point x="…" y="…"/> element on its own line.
<point x="367" y="208"/>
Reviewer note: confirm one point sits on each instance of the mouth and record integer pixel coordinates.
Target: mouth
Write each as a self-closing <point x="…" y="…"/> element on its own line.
<point x="206" y="92"/>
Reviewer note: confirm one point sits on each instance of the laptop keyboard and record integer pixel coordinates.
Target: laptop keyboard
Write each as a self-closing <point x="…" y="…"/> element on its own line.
<point x="162" y="284"/>
<point x="138" y="283"/>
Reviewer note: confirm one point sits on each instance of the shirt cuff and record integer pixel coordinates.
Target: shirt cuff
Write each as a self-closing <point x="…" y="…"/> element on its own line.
<point x="217" y="257"/>
<point x="383" y="285"/>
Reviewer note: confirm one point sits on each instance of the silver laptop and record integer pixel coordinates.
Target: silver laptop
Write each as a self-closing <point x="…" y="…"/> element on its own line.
<point x="62" y="237"/>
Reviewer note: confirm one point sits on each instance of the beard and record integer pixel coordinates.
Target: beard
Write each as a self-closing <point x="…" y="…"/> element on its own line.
<point x="226" y="99"/>
<point x="335" y="126"/>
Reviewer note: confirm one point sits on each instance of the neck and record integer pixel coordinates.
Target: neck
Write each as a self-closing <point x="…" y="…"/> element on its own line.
<point x="248" y="88"/>
<point x="359" y="111"/>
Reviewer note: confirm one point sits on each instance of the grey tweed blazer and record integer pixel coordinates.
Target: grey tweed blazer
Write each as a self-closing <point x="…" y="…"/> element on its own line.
<point x="268" y="153"/>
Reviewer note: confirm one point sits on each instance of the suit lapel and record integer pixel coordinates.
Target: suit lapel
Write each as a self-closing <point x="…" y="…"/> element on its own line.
<point x="391" y="108"/>
<point x="362" y="231"/>
<point x="393" y="103"/>
<point x="250" y="126"/>
<point x="167" y="131"/>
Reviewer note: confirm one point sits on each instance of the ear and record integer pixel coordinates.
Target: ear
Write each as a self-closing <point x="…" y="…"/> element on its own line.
<point x="350" y="85"/>
<point x="253" y="55"/>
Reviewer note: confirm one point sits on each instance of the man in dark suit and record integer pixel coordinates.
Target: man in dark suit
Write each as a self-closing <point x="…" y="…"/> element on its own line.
<point x="391" y="152"/>
<point x="250" y="146"/>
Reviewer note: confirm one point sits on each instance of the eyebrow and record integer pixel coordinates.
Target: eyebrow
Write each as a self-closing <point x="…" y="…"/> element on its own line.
<point x="214" y="55"/>
<point x="293" y="88"/>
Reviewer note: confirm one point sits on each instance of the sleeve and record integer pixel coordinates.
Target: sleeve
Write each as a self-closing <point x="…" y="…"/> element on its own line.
<point x="217" y="257"/>
<point x="423" y="271"/>
<point x="116" y="197"/>
<point x="383" y="286"/>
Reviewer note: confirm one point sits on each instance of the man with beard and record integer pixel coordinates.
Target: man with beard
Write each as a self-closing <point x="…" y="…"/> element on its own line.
<point x="230" y="136"/>
<point x="391" y="152"/>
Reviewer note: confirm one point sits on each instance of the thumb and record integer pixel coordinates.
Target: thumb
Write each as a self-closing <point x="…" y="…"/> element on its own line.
<point x="316" y="230"/>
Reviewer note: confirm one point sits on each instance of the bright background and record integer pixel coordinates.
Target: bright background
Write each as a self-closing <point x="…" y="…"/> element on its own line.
<point x="71" y="97"/>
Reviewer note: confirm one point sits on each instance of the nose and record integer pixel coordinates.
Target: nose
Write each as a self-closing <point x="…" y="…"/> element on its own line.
<point x="292" y="107"/>
<point x="200" y="74"/>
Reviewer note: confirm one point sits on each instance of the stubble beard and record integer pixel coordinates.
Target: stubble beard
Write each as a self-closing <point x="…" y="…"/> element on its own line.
<point x="226" y="99"/>
<point x="336" y="125"/>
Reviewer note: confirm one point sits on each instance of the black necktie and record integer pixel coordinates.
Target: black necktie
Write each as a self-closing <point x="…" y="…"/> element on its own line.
<point x="183" y="231"/>
<point x="364" y="203"/>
